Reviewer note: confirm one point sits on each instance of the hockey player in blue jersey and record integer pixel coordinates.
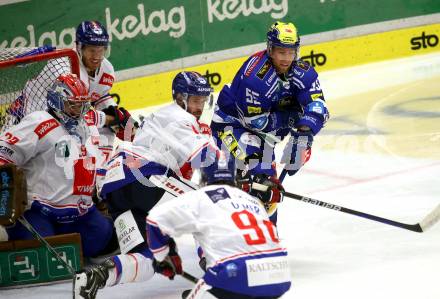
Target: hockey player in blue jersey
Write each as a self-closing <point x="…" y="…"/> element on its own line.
<point x="273" y="95"/>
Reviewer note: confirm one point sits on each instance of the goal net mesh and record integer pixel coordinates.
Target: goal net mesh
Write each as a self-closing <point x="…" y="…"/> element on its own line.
<point x="24" y="81"/>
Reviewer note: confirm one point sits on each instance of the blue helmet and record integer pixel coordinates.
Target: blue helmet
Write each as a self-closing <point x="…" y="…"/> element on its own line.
<point x="190" y="83"/>
<point x="219" y="171"/>
<point x="92" y="33"/>
<point x="283" y="35"/>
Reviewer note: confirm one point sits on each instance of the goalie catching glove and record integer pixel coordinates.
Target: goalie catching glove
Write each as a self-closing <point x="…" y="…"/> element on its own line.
<point x="171" y="264"/>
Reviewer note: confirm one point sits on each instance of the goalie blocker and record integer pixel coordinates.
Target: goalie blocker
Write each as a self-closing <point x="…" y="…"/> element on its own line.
<point x="13" y="196"/>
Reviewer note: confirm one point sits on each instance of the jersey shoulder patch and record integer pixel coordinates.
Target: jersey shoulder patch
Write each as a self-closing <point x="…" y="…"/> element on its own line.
<point x="217" y="194"/>
<point x="304" y="72"/>
<point x="304" y="65"/>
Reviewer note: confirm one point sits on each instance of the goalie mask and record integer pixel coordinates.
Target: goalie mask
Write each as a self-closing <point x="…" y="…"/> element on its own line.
<point x="283" y="35"/>
<point x="68" y="98"/>
<point x="187" y="84"/>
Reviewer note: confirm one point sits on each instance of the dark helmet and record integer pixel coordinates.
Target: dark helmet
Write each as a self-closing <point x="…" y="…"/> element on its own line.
<point x="283" y="35"/>
<point x="219" y="171"/>
<point x="92" y="33"/>
<point x="190" y="83"/>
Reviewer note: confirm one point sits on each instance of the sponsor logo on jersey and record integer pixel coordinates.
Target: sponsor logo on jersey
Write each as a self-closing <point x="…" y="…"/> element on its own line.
<point x="254" y="110"/>
<point x="83" y="190"/>
<point x="263" y="70"/>
<point x="45" y="127"/>
<point x="424" y="41"/>
<point x="6" y="151"/>
<point x="174" y="187"/>
<point x="5" y="195"/>
<point x="107" y="79"/>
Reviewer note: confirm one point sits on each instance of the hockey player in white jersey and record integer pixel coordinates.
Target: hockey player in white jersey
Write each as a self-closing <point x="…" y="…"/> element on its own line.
<point x="244" y="257"/>
<point x="58" y="150"/>
<point x="92" y="41"/>
<point x="168" y="145"/>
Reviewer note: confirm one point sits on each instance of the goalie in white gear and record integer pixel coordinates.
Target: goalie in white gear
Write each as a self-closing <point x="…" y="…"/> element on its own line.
<point x="167" y="146"/>
<point x="58" y="150"/>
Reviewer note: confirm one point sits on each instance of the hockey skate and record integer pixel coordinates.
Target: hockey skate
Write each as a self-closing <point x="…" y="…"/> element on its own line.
<point x="87" y="283"/>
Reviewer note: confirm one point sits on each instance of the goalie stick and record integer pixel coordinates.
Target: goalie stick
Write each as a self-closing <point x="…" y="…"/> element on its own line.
<point x="420" y="227"/>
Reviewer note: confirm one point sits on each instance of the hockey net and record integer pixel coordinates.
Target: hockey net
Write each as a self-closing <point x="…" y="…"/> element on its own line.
<point x="24" y="80"/>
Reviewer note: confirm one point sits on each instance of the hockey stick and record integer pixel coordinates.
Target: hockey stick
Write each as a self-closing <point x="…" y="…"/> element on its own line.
<point x="197" y="291"/>
<point x="47" y="245"/>
<point x="189" y="277"/>
<point x="420" y="227"/>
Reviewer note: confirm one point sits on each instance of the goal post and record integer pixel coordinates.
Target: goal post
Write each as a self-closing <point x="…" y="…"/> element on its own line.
<point x="25" y="78"/>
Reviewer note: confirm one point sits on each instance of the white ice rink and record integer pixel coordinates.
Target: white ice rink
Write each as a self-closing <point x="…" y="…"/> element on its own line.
<point x="379" y="154"/>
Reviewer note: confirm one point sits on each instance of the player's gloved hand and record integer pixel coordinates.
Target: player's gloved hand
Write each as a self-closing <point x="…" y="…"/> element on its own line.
<point x="297" y="151"/>
<point x="205" y="129"/>
<point x="122" y="123"/>
<point x="119" y="115"/>
<point x="172" y="264"/>
<point x="266" y="188"/>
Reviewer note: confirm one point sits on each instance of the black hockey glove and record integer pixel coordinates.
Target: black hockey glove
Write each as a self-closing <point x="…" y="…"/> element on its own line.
<point x="121" y="121"/>
<point x="266" y="188"/>
<point x="172" y="264"/>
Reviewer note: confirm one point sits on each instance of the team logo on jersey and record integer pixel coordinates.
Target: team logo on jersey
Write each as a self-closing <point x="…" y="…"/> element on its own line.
<point x="107" y="79"/>
<point x="217" y="194"/>
<point x="263" y="70"/>
<point x="45" y="127"/>
<point x="82" y="206"/>
<point x="231" y="270"/>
